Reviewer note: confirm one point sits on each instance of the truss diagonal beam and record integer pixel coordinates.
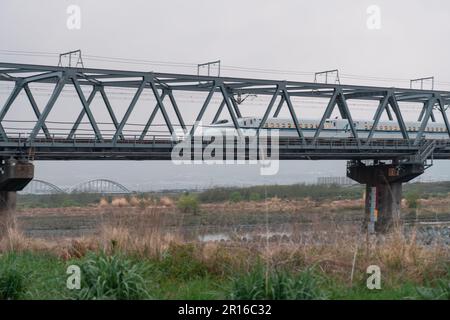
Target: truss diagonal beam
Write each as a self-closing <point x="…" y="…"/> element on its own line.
<point x="202" y="110"/>
<point x="426" y="117"/>
<point x="36" y="109"/>
<point x="177" y="110"/>
<point x="87" y="110"/>
<point x="82" y="113"/>
<point x="376" y="119"/>
<point x="152" y="117"/>
<point x="280" y="105"/>
<point x="343" y="107"/>
<point x="396" y="108"/>
<point x="219" y="111"/>
<point x="129" y="110"/>
<point x="293" y="115"/>
<point x="14" y="93"/>
<point x="230" y="109"/>
<point x="389" y="113"/>
<point x="109" y="109"/>
<point x="51" y="102"/>
<point x="326" y="115"/>
<point x="444" y="114"/>
<point x="161" y="107"/>
<point x="236" y="107"/>
<point x="269" y="109"/>
<point x="422" y="113"/>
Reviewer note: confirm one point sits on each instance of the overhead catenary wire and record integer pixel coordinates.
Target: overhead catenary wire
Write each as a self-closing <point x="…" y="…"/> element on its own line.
<point x="102" y="58"/>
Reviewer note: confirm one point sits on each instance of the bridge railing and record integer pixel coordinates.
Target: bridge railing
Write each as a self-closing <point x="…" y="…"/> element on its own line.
<point x="22" y="139"/>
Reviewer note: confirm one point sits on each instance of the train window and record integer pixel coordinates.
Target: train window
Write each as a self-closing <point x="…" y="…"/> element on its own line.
<point x="221" y="121"/>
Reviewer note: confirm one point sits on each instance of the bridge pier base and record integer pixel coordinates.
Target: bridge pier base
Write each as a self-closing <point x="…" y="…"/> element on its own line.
<point x="383" y="190"/>
<point x="14" y="176"/>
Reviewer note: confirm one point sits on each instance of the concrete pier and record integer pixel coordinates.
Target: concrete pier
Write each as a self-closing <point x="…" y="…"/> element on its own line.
<point x="383" y="190"/>
<point x="14" y="176"/>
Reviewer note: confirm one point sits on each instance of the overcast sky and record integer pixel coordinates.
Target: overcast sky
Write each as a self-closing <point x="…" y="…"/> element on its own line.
<point x="304" y="36"/>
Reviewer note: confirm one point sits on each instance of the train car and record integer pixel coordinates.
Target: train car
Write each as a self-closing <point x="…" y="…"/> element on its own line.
<point x="333" y="128"/>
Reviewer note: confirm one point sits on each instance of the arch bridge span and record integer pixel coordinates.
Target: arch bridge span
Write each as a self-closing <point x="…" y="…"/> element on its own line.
<point x="101" y="186"/>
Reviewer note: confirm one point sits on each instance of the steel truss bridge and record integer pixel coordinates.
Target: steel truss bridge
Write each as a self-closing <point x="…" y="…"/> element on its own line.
<point x="101" y="186"/>
<point x="40" y="142"/>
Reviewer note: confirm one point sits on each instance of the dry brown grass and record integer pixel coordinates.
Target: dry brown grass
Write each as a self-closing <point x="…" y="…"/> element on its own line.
<point x="329" y="247"/>
<point x="166" y="201"/>
<point x="103" y="203"/>
<point x="134" y="201"/>
<point x="119" y="202"/>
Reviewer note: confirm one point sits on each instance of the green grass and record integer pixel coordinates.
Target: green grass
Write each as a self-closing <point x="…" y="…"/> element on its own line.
<point x="43" y="275"/>
<point x="260" y="284"/>
<point x="112" y="277"/>
<point x="179" y="275"/>
<point x="404" y="291"/>
<point x="205" y="288"/>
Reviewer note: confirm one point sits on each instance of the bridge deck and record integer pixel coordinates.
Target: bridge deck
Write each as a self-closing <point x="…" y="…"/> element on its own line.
<point x="161" y="149"/>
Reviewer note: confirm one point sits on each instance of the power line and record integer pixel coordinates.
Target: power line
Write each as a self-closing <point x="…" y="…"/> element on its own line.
<point x="194" y="65"/>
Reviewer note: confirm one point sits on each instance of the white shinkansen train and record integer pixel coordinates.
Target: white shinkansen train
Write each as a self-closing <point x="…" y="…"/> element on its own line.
<point x="333" y="128"/>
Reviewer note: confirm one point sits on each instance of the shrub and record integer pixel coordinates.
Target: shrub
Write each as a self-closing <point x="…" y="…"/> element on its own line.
<point x="188" y="203"/>
<point x="235" y="197"/>
<point x="296" y="191"/>
<point x="255" y="196"/>
<point x="180" y="261"/>
<point x="113" y="278"/>
<point x="412" y="199"/>
<point x="12" y="280"/>
<point x="275" y="285"/>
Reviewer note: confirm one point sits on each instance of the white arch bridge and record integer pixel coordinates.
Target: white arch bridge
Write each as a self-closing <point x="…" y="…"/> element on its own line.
<point x="102" y="186"/>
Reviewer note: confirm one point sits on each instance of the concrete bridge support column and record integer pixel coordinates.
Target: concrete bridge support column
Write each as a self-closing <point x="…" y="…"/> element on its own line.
<point x="383" y="190"/>
<point x="14" y="176"/>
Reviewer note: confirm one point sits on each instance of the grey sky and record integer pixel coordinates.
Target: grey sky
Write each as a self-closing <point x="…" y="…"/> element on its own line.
<point x="287" y="35"/>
